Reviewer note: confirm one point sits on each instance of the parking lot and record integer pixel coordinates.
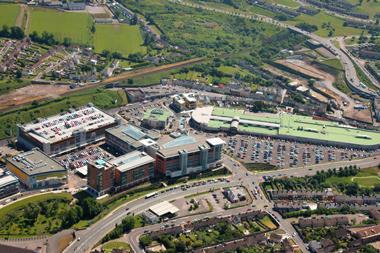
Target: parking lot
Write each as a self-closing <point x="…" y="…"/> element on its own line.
<point x="80" y="158"/>
<point x="285" y="154"/>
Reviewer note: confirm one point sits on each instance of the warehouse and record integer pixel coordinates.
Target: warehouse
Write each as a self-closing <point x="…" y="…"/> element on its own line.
<point x="35" y="169"/>
<point x="284" y="126"/>
<point x="164" y="209"/>
<point x="66" y="131"/>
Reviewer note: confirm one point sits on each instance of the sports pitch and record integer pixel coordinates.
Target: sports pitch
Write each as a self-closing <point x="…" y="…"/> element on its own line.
<point x="8" y="14"/>
<point x="122" y="38"/>
<point x="75" y="26"/>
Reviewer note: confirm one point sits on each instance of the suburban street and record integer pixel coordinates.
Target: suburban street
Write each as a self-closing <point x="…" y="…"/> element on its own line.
<point x="240" y="176"/>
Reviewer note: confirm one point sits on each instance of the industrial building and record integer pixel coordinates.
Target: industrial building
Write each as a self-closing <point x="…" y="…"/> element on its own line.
<point x="187" y="154"/>
<point x="66" y="131"/>
<point x="156" y="118"/>
<point x="135" y="94"/>
<point x="164" y="209"/>
<point x="120" y="173"/>
<point x="127" y="138"/>
<point x="284" y="126"/>
<point x="132" y="169"/>
<point x="9" y="185"/>
<point x="159" y="212"/>
<point x="35" y="169"/>
<point x="185" y="101"/>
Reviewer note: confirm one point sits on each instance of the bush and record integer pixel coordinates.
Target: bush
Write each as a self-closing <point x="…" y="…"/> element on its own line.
<point x="307" y="27"/>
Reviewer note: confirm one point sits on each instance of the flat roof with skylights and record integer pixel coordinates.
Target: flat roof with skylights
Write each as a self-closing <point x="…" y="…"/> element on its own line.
<point x="284" y="125"/>
<point x="131" y="161"/>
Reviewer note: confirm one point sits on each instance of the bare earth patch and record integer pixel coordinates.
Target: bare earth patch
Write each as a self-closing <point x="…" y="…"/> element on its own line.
<point x="30" y="93"/>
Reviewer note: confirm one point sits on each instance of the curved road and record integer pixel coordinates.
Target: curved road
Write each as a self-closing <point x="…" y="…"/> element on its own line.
<point x="347" y="64"/>
<point x="97" y="231"/>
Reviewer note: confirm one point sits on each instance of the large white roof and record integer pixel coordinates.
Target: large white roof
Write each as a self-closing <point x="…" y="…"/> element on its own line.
<point x="216" y="141"/>
<point x="131" y="160"/>
<point x="164" y="208"/>
<point x="6" y="180"/>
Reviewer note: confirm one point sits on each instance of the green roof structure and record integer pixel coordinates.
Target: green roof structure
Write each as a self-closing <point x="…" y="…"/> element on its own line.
<point x="160" y="114"/>
<point x="285" y="125"/>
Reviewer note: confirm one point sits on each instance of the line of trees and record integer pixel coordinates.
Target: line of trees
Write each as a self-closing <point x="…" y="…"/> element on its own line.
<point x="13" y="32"/>
<point x="127" y="224"/>
<point x="318" y="181"/>
<point x="319" y="211"/>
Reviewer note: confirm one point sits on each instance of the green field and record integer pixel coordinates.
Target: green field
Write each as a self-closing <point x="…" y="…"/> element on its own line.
<point x="37" y="215"/>
<point x="75" y="26"/>
<point x="109" y="246"/>
<point x="370" y="7"/>
<point x="267" y="221"/>
<point x="123" y="38"/>
<point x="203" y="32"/>
<point x="8" y="14"/>
<point x="323" y="18"/>
<point x="366" y="178"/>
<point x="334" y="63"/>
<point x="39" y="198"/>
<point x="288" y="3"/>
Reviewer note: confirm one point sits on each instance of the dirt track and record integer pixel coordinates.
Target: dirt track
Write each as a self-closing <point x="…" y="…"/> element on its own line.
<point x="31" y="93"/>
<point x="150" y="70"/>
<point x="28" y="94"/>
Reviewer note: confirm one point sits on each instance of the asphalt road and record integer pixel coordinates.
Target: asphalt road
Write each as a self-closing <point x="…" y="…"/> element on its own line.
<point x="240" y="176"/>
<point x="347" y="64"/>
<point x="96" y="232"/>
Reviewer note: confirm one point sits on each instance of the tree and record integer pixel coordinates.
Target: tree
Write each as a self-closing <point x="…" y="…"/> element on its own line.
<point x="180" y="246"/>
<point x="106" y="53"/>
<point x="66" y="42"/>
<point x="134" y="20"/>
<point x="31" y="211"/>
<point x="17" y="33"/>
<point x="117" y="55"/>
<point x="18" y="74"/>
<point x="352" y="189"/>
<point x="91" y="208"/>
<point x="93" y="28"/>
<point x="145" y="240"/>
<point x="128" y="223"/>
<point x="72" y="216"/>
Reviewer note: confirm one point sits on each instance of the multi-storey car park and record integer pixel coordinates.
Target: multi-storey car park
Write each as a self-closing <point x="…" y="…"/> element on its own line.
<point x="66" y="131"/>
<point x="284" y="126"/>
